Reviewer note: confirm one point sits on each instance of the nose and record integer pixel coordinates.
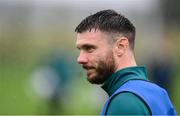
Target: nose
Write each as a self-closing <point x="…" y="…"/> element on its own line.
<point x="82" y="58"/>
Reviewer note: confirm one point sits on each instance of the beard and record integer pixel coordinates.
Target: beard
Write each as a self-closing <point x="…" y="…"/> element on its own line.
<point x="104" y="69"/>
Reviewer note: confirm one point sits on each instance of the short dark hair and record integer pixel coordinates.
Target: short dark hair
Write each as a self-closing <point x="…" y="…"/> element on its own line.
<point x="109" y="21"/>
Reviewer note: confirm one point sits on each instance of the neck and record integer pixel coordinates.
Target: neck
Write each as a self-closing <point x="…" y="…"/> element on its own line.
<point x="127" y="60"/>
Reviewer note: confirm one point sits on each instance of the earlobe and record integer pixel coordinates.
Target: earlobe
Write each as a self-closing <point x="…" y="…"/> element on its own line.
<point x="121" y="46"/>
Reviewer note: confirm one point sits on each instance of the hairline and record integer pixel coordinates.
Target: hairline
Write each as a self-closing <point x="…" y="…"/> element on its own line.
<point x="112" y="37"/>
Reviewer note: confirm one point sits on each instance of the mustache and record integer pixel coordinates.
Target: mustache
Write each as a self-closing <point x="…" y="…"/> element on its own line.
<point x="87" y="67"/>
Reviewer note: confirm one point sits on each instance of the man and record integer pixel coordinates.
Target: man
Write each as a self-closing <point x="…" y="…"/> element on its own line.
<point x="106" y="44"/>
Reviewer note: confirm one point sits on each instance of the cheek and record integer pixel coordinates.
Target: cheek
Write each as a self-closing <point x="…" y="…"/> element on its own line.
<point x="94" y="60"/>
<point x="98" y="56"/>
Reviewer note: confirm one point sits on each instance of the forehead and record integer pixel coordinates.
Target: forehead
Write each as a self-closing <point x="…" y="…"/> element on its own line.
<point x="91" y="37"/>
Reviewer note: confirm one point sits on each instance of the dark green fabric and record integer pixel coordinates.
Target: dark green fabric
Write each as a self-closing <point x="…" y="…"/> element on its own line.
<point x="125" y="103"/>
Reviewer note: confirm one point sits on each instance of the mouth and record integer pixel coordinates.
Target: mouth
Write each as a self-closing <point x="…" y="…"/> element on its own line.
<point x="89" y="72"/>
<point x="86" y="67"/>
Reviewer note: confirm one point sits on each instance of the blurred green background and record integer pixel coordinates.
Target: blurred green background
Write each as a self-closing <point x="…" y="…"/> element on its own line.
<point x="38" y="70"/>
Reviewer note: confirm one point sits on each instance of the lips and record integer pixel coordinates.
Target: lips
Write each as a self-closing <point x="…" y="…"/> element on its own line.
<point x="90" y="72"/>
<point x="87" y="67"/>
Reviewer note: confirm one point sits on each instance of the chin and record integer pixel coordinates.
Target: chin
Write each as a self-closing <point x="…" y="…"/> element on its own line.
<point x="95" y="80"/>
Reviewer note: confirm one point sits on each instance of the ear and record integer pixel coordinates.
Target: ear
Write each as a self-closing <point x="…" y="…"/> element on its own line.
<point x="121" y="45"/>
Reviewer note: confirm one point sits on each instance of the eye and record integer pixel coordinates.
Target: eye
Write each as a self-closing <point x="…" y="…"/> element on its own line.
<point x="89" y="48"/>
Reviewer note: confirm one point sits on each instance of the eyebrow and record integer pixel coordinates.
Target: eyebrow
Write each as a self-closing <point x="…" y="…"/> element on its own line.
<point x="86" y="45"/>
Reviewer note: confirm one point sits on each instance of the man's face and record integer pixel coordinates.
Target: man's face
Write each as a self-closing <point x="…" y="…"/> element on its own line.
<point x="96" y="55"/>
